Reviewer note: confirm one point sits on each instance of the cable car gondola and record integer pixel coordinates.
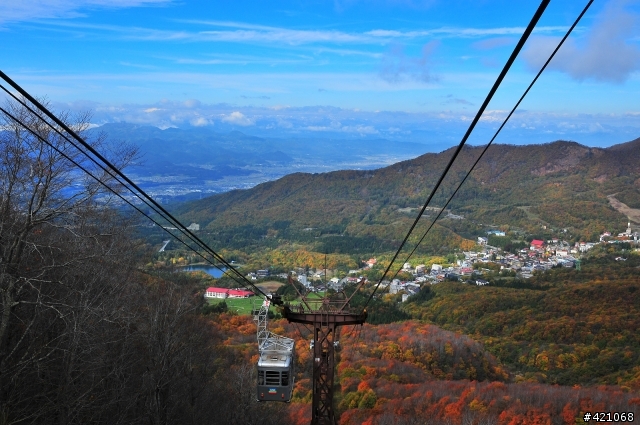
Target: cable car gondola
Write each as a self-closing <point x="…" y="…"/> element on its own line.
<point x="276" y="361"/>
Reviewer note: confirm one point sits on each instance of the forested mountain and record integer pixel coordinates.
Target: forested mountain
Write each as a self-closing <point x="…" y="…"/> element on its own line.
<point x="413" y="373"/>
<point x="559" y="185"/>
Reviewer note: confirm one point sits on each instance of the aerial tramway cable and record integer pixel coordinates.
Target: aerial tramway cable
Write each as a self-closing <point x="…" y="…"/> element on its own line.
<point x="82" y="168"/>
<point x="534" y="20"/>
<point x="115" y="173"/>
<point x="586" y="8"/>
<point x="150" y="202"/>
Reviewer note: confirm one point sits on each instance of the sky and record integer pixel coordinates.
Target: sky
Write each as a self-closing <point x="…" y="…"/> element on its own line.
<point x="403" y="70"/>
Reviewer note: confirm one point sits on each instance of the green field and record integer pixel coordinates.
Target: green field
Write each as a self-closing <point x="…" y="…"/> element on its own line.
<point x="246" y="305"/>
<point x="238" y="305"/>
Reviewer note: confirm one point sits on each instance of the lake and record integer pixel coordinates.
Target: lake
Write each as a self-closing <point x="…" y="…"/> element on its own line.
<point x="210" y="270"/>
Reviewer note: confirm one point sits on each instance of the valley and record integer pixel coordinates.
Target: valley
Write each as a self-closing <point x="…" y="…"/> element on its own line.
<point x="179" y="164"/>
<point x="527" y="285"/>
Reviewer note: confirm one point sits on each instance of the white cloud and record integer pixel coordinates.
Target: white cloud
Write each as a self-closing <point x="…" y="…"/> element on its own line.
<point x="493" y="116"/>
<point x="360" y="129"/>
<point x="336" y="126"/>
<point x="319" y="128"/>
<point x="608" y="52"/>
<point x="451" y="99"/>
<point x="192" y="103"/>
<point x="199" y="122"/>
<point x="237" y="118"/>
<point x="284" y="123"/>
<point x="341" y="5"/>
<point x="348" y="52"/>
<point x="493" y="43"/>
<point x="238" y="32"/>
<point x="26" y="10"/>
<point x="436" y="128"/>
<point x="396" y="66"/>
<point x="461" y="32"/>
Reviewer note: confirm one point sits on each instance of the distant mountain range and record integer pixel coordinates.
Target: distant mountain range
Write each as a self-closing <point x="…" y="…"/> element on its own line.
<point x="555" y="187"/>
<point x="180" y="160"/>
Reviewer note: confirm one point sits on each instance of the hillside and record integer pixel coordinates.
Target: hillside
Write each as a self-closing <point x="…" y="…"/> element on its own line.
<point x="571" y="327"/>
<point x="412" y="372"/>
<point x="561" y="185"/>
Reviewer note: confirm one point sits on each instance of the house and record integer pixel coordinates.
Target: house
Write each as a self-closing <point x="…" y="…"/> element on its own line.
<point x="337" y="284"/>
<point x="262" y="273"/>
<point x="239" y="293"/>
<point x="537" y="244"/>
<point x="213" y="292"/>
<point x="194" y="227"/>
<point x="396" y="286"/>
<point x="412" y="288"/>
<point x="319" y="274"/>
<point x="584" y="247"/>
<point x="482" y="240"/>
<point x="371" y="262"/>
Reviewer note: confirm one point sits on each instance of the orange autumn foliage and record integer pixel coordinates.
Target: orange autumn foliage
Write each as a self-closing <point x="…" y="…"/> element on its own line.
<point x="401" y="388"/>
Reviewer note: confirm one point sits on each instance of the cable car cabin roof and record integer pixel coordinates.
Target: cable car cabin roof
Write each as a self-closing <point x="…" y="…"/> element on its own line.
<point x="274" y="359"/>
<point x="279" y="344"/>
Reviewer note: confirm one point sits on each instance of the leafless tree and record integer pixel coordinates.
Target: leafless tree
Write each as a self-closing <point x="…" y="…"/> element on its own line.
<point x="85" y="336"/>
<point x="59" y="246"/>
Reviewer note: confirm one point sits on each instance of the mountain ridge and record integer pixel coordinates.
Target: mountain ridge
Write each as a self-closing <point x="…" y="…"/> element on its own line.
<point x="510" y="176"/>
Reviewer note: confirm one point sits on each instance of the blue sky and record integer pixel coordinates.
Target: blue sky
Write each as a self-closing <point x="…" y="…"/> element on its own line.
<point x="407" y="70"/>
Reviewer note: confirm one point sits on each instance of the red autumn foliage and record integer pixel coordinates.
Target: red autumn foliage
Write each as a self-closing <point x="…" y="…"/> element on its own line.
<point x="403" y="373"/>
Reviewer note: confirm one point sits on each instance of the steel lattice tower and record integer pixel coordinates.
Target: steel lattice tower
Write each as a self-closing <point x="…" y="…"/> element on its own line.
<point x="325" y="316"/>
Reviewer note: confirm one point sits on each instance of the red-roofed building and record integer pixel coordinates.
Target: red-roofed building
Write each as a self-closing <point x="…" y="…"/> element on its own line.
<point x="537" y="244"/>
<point x="371" y="262"/>
<point x="216" y="292"/>
<point x="213" y="292"/>
<point x="239" y="293"/>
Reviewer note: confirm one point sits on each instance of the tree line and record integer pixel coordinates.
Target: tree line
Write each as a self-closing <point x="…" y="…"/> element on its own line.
<point x="85" y="335"/>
